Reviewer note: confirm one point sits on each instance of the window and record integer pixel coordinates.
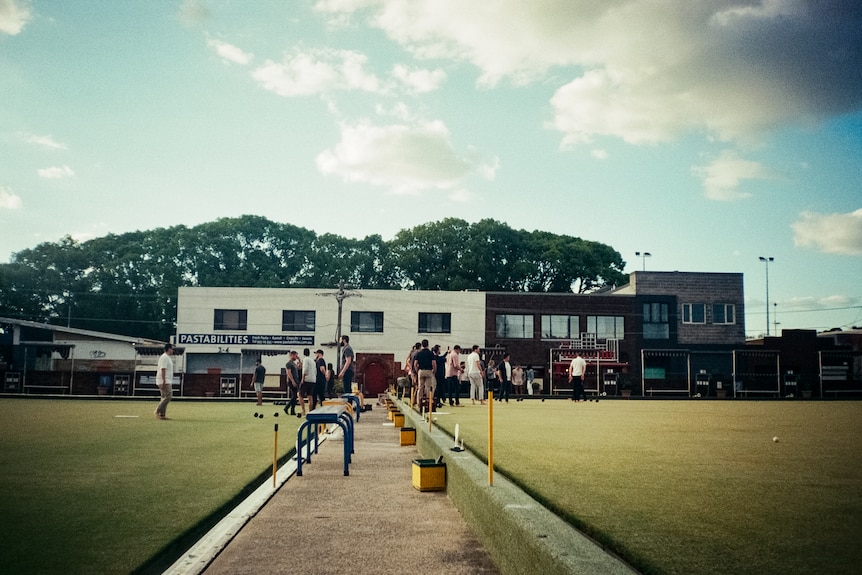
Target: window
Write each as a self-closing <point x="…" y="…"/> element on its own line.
<point x="515" y="326"/>
<point x="561" y="327"/>
<point x="366" y="321"/>
<point x="435" y="322"/>
<point x="230" y="319"/>
<point x="693" y="313"/>
<point x="656" y="324"/>
<point x="606" y="326"/>
<point x="297" y="320"/>
<point x="723" y="313"/>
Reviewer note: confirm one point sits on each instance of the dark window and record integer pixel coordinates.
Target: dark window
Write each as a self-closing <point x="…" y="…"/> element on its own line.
<point x="656" y="324"/>
<point x="693" y="313"/>
<point x="230" y="319"/>
<point x="723" y="313"/>
<point x="515" y="326"/>
<point x="297" y="320"/>
<point x="366" y="321"/>
<point x="561" y="327"/>
<point x="435" y="322"/>
<point x="606" y="326"/>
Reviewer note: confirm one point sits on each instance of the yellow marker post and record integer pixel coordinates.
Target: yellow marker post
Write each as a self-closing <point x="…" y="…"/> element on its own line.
<point x="490" y="437"/>
<point x="275" y="456"/>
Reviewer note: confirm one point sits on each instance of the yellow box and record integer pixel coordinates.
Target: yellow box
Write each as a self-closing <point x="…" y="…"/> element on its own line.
<point x="390" y="416"/>
<point x="398" y="419"/>
<point x="408" y="436"/>
<point x="428" y="475"/>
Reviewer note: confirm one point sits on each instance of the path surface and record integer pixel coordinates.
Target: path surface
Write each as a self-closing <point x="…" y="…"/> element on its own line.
<point x="372" y="522"/>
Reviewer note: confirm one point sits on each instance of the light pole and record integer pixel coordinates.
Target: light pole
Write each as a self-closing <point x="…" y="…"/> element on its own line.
<point x="643" y="256"/>
<point x="766" y="261"/>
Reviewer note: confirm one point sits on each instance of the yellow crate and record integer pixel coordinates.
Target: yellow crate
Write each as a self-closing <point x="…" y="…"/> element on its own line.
<point x="390" y="416"/>
<point x="398" y="419"/>
<point x="408" y="436"/>
<point x="429" y="475"/>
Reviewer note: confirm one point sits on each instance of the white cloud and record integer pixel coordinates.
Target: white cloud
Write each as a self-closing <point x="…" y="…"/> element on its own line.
<point x="599" y="154"/>
<point x="316" y="72"/>
<point x="419" y="81"/>
<point x="405" y="159"/>
<point x="14" y="14"/>
<point x="44" y="141"/>
<point x="230" y="52"/>
<point x="56" y="172"/>
<point x="9" y="200"/>
<point x="830" y="233"/>
<point x="646" y="70"/>
<point x="722" y="177"/>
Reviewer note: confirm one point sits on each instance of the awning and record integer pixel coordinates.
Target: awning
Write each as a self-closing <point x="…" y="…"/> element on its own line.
<point x="665" y="353"/>
<point x="264" y="351"/>
<point x="156" y="350"/>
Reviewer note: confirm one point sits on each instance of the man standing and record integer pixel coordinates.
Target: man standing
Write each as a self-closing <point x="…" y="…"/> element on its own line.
<point x="318" y="393"/>
<point x="576" y="377"/>
<point x="425" y="365"/>
<point x="309" y="378"/>
<point x="531" y="375"/>
<point x="476" y="375"/>
<point x="259" y="378"/>
<point x="347" y="370"/>
<point x="164" y="381"/>
<point x="439" y="376"/>
<point x="453" y="375"/>
<point x="504" y="375"/>
<point x="292" y="382"/>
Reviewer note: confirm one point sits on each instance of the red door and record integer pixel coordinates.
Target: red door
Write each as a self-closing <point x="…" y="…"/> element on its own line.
<point x="375" y="379"/>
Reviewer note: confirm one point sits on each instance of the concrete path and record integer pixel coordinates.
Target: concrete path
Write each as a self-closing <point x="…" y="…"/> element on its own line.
<point x="373" y="521"/>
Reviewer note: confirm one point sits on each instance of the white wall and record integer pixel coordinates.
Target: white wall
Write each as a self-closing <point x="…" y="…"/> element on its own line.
<point x="195" y="307"/>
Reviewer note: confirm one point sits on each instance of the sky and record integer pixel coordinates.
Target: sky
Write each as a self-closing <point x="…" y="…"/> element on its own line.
<point x="708" y="134"/>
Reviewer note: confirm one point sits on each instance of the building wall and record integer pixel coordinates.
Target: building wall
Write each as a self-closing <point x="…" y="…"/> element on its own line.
<point x="697" y="288"/>
<point x="195" y="315"/>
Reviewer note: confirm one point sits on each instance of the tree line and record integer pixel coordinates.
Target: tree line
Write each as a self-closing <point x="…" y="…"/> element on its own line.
<point x="127" y="283"/>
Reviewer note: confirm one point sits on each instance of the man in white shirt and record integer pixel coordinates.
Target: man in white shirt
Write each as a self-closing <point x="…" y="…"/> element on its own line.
<point x="164" y="381"/>
<point x="476" y="375"/>
<point x="309" y="378"/>
<point x="576" y="377"/>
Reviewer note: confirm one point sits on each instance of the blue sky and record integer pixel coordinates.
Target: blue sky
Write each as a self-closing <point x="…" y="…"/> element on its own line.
<point x="705" y="133"/>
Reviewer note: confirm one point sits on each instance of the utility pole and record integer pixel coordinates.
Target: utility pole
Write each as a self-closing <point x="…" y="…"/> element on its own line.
<point x="340" y="296"/>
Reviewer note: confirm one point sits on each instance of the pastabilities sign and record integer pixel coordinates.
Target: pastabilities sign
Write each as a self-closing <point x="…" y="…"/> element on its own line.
<point x="243" y="339"/>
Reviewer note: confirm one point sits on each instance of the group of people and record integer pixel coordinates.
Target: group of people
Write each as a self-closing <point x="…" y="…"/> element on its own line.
<point x="439" y="375"/>
<point x="310" y="377"/>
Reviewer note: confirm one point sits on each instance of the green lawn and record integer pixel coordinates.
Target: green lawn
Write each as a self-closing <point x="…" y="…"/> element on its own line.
<point x="683" y="487"/>
<point x="89" y="489"/>
<point x="677" y="487"/>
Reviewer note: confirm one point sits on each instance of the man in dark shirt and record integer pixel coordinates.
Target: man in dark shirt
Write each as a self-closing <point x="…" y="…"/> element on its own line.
<point x="425" y="364"/>
<point x="292" y="382"/>
<point x="259" y="378"/>
<point x="318" y="392"/>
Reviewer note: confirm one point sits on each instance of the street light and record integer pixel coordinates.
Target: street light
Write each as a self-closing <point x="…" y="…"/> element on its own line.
<point x="766" y="261"/>
<point x="643" y="256"/>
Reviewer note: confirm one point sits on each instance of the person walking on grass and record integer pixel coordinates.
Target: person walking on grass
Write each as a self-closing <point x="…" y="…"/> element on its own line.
<point x="259" y="378"/>
<point x="164" y="381"/>
<point x="577" y="370"/>
<point x="347" y="367"/>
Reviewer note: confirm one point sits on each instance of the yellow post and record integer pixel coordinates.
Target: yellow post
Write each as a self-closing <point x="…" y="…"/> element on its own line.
<point x="275" y="456"/>
<point x="490" y="437"/>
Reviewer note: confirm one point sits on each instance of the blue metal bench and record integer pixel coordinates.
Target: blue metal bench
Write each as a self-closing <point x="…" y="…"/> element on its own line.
<point x="334" y="414"/>
<point x="356" y="401"/>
